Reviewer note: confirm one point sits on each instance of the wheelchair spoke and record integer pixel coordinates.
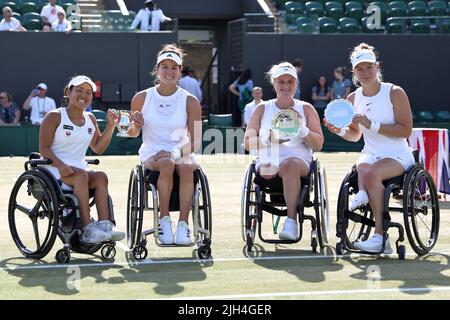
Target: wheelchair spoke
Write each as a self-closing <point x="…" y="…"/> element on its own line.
<point x="23" y="209"/>
<point x="36" y="233"/>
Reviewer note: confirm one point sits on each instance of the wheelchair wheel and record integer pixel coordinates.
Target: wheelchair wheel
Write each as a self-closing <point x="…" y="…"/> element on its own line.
<point x="205" y="214"/>
<point x="421" y="210"/>
<point x="353" y="231"/>
<point x="249" y="209"/>
<point x="321" y="205"/>
<point x="33" y="199"/>
<point x="135" y="206"/>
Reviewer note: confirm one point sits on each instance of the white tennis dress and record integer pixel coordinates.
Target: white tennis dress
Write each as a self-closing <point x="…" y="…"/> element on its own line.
<point x="165" y="124"/>
<point x="71" y="142"/>
<point x="274" y="154"/>
<point x="377" y="146"/>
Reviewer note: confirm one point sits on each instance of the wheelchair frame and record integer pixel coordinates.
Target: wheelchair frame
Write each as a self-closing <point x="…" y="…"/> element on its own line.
<point x="253" y="204"/>
<point x="138" y="202"/>
<point x="51" y="203"/>
<point x="405" y="186"/>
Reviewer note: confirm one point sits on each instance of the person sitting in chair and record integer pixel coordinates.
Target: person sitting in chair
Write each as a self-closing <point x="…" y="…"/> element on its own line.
<point x="64" y="137"/>
<point x="288" y="159"/>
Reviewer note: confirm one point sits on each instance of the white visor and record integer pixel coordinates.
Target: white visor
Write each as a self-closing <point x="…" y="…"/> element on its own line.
<point x="82" y="79"/>
<point x="172" y="56"/>
<point x="363" y="56"/>
<point x="284" y="70"/>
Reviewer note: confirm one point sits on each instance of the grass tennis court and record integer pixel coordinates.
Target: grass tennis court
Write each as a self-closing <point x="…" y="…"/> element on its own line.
<point x="271" y="272"/>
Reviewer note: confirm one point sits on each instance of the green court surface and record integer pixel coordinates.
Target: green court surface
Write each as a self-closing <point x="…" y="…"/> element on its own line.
<point x="270" y="272"/>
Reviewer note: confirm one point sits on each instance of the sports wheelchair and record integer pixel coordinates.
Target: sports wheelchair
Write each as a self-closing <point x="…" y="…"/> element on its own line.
<point x="259" y="195"/>
<point x="140" y="183"/>
<point x="414" y="194"/>
<point x="39" y="198"/>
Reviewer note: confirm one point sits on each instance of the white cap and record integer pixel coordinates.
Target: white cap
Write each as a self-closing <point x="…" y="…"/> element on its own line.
<point x="82" y="79"/>
<point x="148" y="1"/>
<point x="42" y="86"/>
<point x="171" y="56"/>
<point x="284" y="70"/>
<point x="363" y="56"/>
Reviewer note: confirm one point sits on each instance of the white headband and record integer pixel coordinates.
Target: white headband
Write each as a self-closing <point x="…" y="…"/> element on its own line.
<point x="363" y="56"/>
<point x="172" y="56"/>
<point x="284" y="70"/>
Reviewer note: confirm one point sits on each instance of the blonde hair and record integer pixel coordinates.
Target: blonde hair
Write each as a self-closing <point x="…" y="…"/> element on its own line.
<point x="274" y="67"/>
<point x="172" y="47"/>
<point x="365" y="47"/>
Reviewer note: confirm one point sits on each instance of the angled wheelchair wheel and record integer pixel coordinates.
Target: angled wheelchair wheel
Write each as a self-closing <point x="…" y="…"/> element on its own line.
<point x="348" y="230"/>
<point x="249" y="208"/>
<point x="135" y="206"/>
<point x="33" y="212"/>
<point x="321" y="205"/>
<point x="204" y="217"/>
<point x="421" y="210"/>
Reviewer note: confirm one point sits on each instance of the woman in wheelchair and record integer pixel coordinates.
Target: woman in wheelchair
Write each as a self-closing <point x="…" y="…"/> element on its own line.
<point x="383" y="117"/>
<point x="64" y="137"/>
<point x="167" y="115"/>
<point x="288" y="159"/>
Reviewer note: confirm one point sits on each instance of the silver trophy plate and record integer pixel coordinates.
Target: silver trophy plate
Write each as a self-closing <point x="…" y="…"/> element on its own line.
<point x="124" y="122"/>
<point x="339" y="113"/>
<point x="286" y="124"/>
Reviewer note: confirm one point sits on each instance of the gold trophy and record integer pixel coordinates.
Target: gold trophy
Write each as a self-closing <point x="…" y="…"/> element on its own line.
<point x="124" y="123"/>
<point x="286" y="124"/>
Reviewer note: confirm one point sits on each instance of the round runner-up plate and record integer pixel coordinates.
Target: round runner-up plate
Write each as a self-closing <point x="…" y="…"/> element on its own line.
<point x="339" y="113"/>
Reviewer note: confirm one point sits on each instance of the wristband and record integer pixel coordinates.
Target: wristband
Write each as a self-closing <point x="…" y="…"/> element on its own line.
<point x="375" y="126"/>
<point x="176" y="153"/>
<point x="303" y="132"/>
<point x="342" y="132"/>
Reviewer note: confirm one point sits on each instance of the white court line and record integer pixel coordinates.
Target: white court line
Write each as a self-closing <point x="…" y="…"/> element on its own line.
<point x="313" y="293"/>
<point x="134" y="263"/>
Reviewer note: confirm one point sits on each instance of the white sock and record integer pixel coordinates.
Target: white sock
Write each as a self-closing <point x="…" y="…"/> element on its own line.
<point x="290" y="220"/>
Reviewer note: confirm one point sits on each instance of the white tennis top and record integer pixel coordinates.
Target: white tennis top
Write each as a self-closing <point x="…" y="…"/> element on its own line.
<point x="165" y="122"/>
<point x="379" y="107"/>
<point x="71" y="141"/>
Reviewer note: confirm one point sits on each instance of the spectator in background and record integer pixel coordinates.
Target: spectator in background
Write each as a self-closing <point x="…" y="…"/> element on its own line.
<point x="298" y="64"/>
<point x="61" y="24"/>
<point x="257" y="94"/>
<point x="150" y="18"/>
<point x="242" y="87"/>
<point x="47" y="27"/>
<point x="341" y="86"/>
<point x="190" y="84"/>
<point x="321" y="94"/>
<point x="9" y="23"/>
<point x="49" y="12"/>
<point x="39" y="104"/>
<point x="9" y="111"/>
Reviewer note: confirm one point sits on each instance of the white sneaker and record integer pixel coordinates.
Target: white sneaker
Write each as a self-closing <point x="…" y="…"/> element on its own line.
<point x="165" y="233"/>
<point x="360" y="198"/>
<point x="374" y="244"/>
<point x="109" y="227"/>
<point x="290" y="230"/>
<point x="91" y="234"/>
<point x="183" y="233"/>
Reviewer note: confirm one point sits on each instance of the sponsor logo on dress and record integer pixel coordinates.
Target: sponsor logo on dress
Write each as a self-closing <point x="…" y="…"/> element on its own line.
<point x="67" y="127"/>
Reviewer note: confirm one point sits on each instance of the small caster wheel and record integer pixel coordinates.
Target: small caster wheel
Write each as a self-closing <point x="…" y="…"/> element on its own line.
<point x="339" y="249"/>
<point x="204" y="252"/>
<point x="401" y="252"/>
<point x="140" y="252"/>
<point x="108" y="252"/>
<point x="314" y="245"/>
<point x="63" y="256"/>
